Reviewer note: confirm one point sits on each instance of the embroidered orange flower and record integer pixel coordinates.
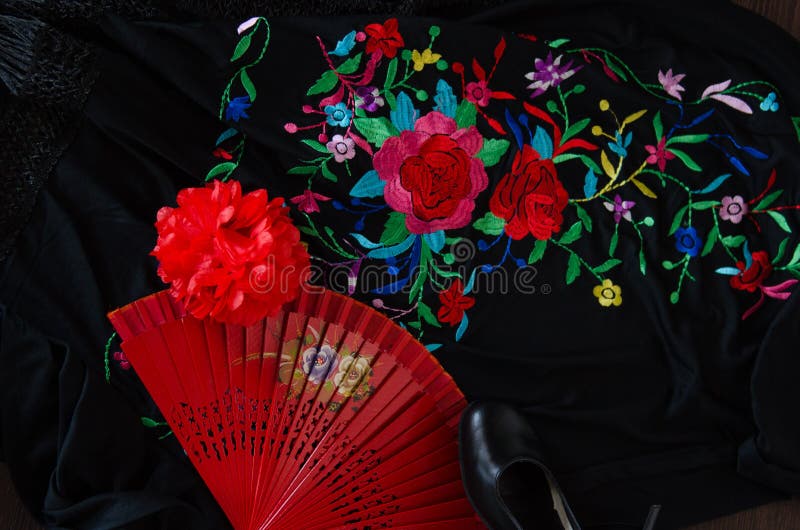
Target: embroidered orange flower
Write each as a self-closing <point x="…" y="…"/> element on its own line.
<point x="454" y="303"/>
<point x="384" y="37"/>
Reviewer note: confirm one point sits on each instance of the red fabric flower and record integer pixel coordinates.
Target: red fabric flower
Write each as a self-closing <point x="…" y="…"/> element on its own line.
<point x="384" y="37"/>
<point x="237" y="258"/>
<point x="530" y="198"/>
<point x="751" y="278"/>
<point x="454" y="303"/>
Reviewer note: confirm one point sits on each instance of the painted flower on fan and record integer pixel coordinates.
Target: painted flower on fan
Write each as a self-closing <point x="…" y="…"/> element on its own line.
<point x="621" y="209"/>
<point x="733" y="209"/>
<point x="342" y="148"/>
<point x="420" y="59"/>
<point x="454" y="303"/>
<point x="237" y="108"/>
<point x="671" y="84"/>
<point x="549" y="73"/>
<point x="338" y="114"/>
<point x="369" y="98"/>
<point x="659" y="154"/>
<point x="608" y="294"/>
<point x="687" y="241"/>
<point x="320" y="364"/>
<point x="530" y="197"/>
<point x="236" y="258"/>
<point x="478" y="92"/>
<point x="432" y="173"/>
<point x="384" y="38"/>
<point x="352" y="373"/>
<point x="307" y="201"/>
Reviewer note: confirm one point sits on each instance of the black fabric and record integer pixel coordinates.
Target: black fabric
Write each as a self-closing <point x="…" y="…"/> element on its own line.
<point x="682" y="405"/>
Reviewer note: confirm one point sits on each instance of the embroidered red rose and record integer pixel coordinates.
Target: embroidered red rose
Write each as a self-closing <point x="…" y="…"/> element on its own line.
<point x="234" y="257"/>
<point x="530" y="198"/>
<point x="432" y="174"/>
<point x="454" y="303"/>
<point x="752" y="277"/>
<point x="384" y="37"/>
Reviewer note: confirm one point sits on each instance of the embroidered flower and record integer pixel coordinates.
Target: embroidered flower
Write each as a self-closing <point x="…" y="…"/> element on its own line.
<point x="733" y="209"/>
<point x="426" y="57"/>
<point x="234" y="257"/>
<point x="352" y="372"/>
<point x="341" y="147"/>
<point x="222" y="153"/>
<point x="530" y="197"/>
<point x="478" y="92"/>
<point x="620" y="145"/>
<point x="307" y="201"/>
<point x="454" y="303"/>
<point x="338" y="114"/>
<point x="247" y="24"/>
<point x="320" y="365"/>
<point x="671" y="84"/>
<point x="687" y="241"/>
<point x="549" y="73"/>
<point x="384" y="37"/>
<point x="237" y="108"/>
<point x="659" y="154"/>
<point x="432" y="173"/>
<point x="621" y="209"/>
<point x="123" y="361"/>
<point x="769" y="104"/>
<point x="752" y="277"/>
<point x="608" y="294"/>
<point x="368" y="98"/>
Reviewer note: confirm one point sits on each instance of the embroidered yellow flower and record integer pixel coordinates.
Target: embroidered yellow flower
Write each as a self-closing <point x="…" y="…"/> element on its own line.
<point x="608" y="294"/>
<point x="426" y="57"/>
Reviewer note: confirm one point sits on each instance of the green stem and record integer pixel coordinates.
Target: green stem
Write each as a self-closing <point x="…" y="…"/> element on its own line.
<point x="107" y="358"/>
<point x="227" y="92"/>
<point x="332" y="245"/>
<point x="580" y="259"/>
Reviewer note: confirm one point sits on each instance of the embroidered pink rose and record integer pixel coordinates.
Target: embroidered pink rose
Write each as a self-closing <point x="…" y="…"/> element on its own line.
<point x="432" y="174"/>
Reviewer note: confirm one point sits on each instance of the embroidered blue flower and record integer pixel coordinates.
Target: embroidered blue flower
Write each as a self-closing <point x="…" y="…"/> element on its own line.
<point x="237" y="107"/>
<point x="339" y="114"/>
<point x="769" y="103"/>
<point x="687" y="241"/>
<point x="620" y="146"/>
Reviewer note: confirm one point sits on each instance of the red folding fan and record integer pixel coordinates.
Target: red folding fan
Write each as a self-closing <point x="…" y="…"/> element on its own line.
<point x="328" y="415"/>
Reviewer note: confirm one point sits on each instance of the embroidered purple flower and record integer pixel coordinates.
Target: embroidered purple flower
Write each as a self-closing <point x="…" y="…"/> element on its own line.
<point x="549" y="73"/>
<point x="341" y="147"/>
<point x="307" y="201"/>
<point x="237" y="108"/>
<point x="671" y="83"/>
<point x="687" y="241"/>
<point x="338" y="114"/>
<point x="733" y="209"/>
<point x="621" y="209"/>
<point x="320" y="365"/>
<point x="368" y="98"/>
<point x="123" y="361"/>
<point x="659" y="154"/>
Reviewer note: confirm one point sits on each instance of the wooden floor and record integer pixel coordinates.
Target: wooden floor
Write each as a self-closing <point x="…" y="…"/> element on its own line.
<point x="778" y="516"/>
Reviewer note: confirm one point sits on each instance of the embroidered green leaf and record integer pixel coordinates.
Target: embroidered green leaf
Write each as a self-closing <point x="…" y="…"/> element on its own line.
<point x="350" y="65"/>
<point x="584" y="217"/>
<point x="303" y="170"/>
<point x="551" y="106"/>
<point x="676" y="221"/>
<point x="327" y="173"/>
<point x="391" y="71"/>
<point x="769" y="199"/>
<point x="670" y="265"/>
<point x="612" y="245"/>
<point x="427" y="315"/>
<point x="642" y="262"/>
<point x="686" y="159"/>
<point x="617" y="69"/>
<point x="572" y="235"/>
<point x="796" y="123"/>
<point x="588" y="162"/>
<point x="466" y="114"/>
<point x="573" y="268"/>
<point x="780" y="220"/>
<point x="219" y="169"/>
<point x="490" y="224"/>
<point x="781" y="251"/>
<point x="248" y="85"/>
<point x="608" y="169"/>
<point x="390" y="99"/>
<point x="688" y="139"/>
<point x="733" y="241"/>
<point x="151" y="423"/>
<point x="704" y="205"/>
<point x="241" y="47"/>
<point x="414" y="324"/>
<point x="644" y="189"/>
<point x="658" y="128"/>
<point x="422" y="273"/>
<point x="492" y="151"/>
<point x="574" y="129"/>
<point x="376" y="130"/>
<point x="711" y="240"/>
<point x="607" y="266"/>
<point x="633" y="117"/>
<point x="538" y="251"/>
<point x="394" y="231"/>
<point x="325" y="83"/>
<point x="316" y="146"/>
<point x="558" y="42"/>
<point x="307" y="230"/>
<point x="795" y="257"/>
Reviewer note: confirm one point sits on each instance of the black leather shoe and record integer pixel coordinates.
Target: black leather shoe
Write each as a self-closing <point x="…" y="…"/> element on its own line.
<point x="504" y="474"/>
